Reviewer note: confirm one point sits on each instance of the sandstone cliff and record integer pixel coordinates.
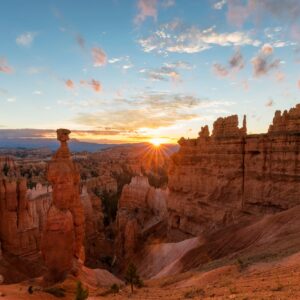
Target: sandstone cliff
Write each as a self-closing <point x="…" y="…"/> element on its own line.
<point x="141" y="211"/>
<point x="216" y="179"/>
<point x="20" y="219"/>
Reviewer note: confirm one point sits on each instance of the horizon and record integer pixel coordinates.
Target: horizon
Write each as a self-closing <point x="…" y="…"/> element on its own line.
<point x="136" y="71"/>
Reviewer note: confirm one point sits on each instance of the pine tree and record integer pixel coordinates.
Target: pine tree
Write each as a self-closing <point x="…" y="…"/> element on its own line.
<point x="81" y="292"/>
<point x="132" y="277"/>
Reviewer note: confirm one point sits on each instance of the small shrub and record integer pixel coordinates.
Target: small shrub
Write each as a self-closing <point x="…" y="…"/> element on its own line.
<point x="194" y="293"/>
<point x="56" y="291"/>
<point x="241" y="264"/>
<point x="278" y="288"/>
<point x="81" y="292"/>
<point x="139" y="283"/>
<point x="115" y="288"/>
<point x="30" y="289"/>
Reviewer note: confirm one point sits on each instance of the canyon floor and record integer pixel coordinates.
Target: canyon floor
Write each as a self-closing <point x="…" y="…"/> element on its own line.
<point x="280" y="280"/>
<point x="264" y="263"/>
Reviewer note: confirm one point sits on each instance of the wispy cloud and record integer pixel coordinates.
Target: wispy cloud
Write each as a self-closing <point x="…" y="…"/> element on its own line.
<point x="163" y="73"/>
<point x="94" y="84"/>
<point x="220" y="70"/>
<point x="180" y="64"/>
<point x="11" y="99"/>
<point x="240" y="11"/>
<point x="219" y="5"/>
<point x="5" y="67"/>
<point x="37" y="92"/>
<point x="115" y="60"/>
<point x="146" y="8"/>
<point x="147" y="110"/>
<point x="279" y="76"/>
<point x="50" y="133"/>
<point x="263" y="63"/>
<point x="235" y="64"/>
<point x="270" y="103"/>
<point x="26" y="39"/>
<point x="169" y="71"/>
<point x="69" y="84"/>
<point x="178" y="38"/>
<point x="168" y="3"/>
<point x="80" y="41"/>
<point x="99" y="57"/>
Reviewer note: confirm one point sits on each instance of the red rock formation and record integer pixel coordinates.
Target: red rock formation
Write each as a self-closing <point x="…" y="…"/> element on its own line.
<point x="289" y="121"/>
<point x="141" y="208"/>
<point x="62" y="239"/>
<point x="95" y="242"/>
<point x="19" y="231"/>
<point x="214" y="180"/>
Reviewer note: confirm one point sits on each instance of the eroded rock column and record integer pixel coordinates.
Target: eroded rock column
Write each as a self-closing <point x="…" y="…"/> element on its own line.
<point x="63" y="234"/>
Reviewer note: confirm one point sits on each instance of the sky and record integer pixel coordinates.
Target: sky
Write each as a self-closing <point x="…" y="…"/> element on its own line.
<point x="132" y="70"/>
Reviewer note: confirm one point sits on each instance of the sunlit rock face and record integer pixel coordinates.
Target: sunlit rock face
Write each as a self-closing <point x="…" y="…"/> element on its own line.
<point x="63" y="233"/>
<point x="20" y="219"/>
<point x="215" y="180"/>
<point x="142" y="210"/>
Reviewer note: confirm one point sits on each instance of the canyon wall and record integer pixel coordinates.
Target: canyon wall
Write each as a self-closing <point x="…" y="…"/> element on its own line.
<point x="20" y="219"/>
<point x="23" y="213"/>
<point x="218" y="179"/>
<point x="141" y="212"/>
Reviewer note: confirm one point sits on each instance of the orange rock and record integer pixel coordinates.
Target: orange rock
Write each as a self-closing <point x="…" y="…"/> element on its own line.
<point x="219" y="179"/>
<point x="65" y="219"/>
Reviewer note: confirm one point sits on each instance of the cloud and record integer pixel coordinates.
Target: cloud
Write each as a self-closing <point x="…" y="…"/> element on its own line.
<point x="127" y="64"/>
<point x="11" y="99"/>
<point x="80" y="41"/>
<point x="26" y="39"/>
<point x="34" y="70"/>
<point x="99" y="57"/>
<point x="115" y="60"/>
<point x="164" y="73"/>
<point x="270" y="103"/>
<point x="147" y="8"/>
<point x="220" y="70"/>
<point x="94" y="84"/>
<point x="235" y="64"/>
<point x="50" y="133"/>
<point x="180" y="65"/>
<point x="239" y="11"/>
<point x="147" y="110"/>
<point x="219" y="5"/>
<point x="267" y="49"/>
<point x="69" y="84"/>
<point x="263" y="63"/>
<point x="178" y="38"/>
<point x="279" y="76"/>
<point x="37" y="92"/>
<point x="4" y="67"/>
<point x="126" y="67"/>
<point x="237" y="61"/>
<point x="169" y="71"/>
<point x="299" y="83"/>
<point x="168" y="3"/>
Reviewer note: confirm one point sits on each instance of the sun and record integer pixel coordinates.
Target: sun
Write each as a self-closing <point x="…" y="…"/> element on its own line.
<point x="157" y="141"/>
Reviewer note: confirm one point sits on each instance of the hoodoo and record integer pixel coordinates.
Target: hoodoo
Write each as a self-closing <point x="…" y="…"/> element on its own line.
<point x="62" y="237"/>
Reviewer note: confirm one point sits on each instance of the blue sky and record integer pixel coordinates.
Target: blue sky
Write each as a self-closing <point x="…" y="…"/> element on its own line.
<point x="134" y="70"/>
